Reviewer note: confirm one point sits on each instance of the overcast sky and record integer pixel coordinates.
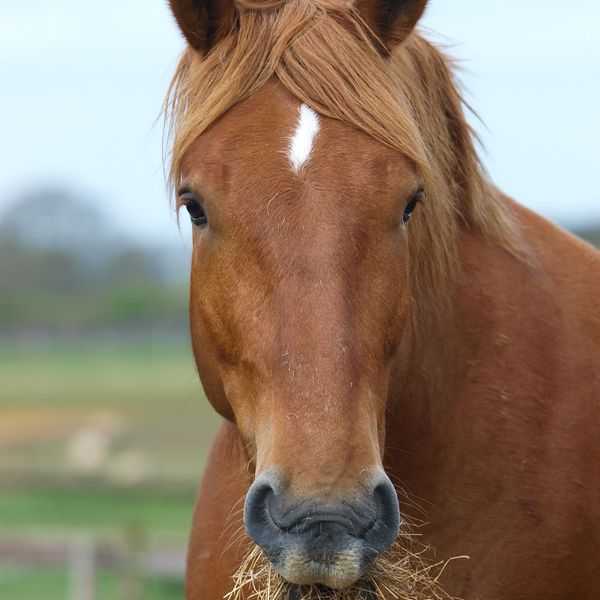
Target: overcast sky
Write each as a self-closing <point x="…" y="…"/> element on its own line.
<point x="81" y="85"/>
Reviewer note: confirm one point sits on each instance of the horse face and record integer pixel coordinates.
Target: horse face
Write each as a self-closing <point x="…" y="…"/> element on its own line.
<point x="299" y="308"/>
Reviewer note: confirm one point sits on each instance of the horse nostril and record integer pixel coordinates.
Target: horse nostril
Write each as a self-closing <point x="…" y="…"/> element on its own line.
<point x="387" y="525"/>
<point x="256" y="511"/>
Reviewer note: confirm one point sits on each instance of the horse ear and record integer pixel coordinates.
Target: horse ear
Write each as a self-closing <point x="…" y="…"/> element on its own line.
<point x="203" y="22"/>
<point x="391" y="20"/>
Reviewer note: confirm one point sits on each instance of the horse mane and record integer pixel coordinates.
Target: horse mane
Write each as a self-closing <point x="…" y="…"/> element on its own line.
<point x="327" y="57"/>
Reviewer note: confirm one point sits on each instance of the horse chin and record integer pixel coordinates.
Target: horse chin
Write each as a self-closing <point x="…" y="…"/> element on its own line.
<point x="335" y="572"/>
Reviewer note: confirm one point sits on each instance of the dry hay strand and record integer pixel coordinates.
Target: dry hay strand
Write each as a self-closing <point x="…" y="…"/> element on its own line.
<point x="399" y="574"/>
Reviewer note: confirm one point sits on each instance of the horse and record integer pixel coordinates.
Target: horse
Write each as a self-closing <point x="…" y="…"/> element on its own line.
<point x="381" y="329"/>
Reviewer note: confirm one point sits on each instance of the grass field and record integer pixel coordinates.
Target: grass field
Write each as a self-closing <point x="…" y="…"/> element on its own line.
<point x="98" y="509"/>
<point x="146" y="402"/>
<point x="53" y="584"/>
<point x="97" y="440"/>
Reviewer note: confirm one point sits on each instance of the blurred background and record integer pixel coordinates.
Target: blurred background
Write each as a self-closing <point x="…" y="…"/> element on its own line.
<point x="104" y="430"/>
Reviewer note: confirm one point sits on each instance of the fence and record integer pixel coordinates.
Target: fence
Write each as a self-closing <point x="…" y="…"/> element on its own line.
<point x="84" y="556"/>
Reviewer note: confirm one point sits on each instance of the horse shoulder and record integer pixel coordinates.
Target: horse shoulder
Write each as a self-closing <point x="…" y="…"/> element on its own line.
<point x="217" y="538"/>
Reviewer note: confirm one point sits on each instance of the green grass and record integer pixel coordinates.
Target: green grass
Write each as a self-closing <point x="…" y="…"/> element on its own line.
<point x="96" y="509"/>
<point x="53" y="584"/>
<point x="99" y="375"/>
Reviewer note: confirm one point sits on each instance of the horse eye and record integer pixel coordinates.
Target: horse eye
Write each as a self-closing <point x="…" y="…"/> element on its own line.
<point x="193" y="205"/>
<point x="411" y="205"/>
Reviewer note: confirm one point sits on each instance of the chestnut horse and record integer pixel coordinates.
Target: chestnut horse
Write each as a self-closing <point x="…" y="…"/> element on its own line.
<point x="366" y="308"/>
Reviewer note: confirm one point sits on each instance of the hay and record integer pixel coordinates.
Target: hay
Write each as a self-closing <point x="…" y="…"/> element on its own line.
<point x="399" y="574"/>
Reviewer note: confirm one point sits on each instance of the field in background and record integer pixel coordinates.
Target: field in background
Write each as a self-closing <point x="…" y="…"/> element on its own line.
<point x="99" y="441"/>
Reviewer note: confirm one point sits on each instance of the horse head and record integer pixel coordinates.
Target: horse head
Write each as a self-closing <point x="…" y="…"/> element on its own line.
<point x="301" y="295"/>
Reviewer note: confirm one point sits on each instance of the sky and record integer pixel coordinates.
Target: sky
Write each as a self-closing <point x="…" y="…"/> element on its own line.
<point x="81" y="89"/>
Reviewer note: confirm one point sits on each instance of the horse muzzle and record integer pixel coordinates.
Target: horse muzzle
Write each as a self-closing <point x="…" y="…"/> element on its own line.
<point x="309" y="541"/>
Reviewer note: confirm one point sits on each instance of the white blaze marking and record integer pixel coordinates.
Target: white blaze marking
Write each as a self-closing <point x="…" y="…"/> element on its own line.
<point x="301" y="142"/>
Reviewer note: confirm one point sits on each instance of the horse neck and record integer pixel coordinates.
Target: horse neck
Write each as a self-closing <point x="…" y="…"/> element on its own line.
<point x="449" y="375"/>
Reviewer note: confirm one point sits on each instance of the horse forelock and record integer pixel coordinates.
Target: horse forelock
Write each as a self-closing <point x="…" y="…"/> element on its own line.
<point x="328" y="58"/>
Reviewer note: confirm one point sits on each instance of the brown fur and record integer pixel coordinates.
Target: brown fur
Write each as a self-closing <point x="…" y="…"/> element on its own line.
<point x="460" y="351"/>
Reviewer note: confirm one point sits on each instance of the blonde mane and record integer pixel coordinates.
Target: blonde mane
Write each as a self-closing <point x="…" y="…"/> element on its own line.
<point x="327" y="57"/>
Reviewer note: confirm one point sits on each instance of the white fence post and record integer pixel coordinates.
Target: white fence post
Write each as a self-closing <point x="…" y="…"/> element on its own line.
<point x="82" y="568"/>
